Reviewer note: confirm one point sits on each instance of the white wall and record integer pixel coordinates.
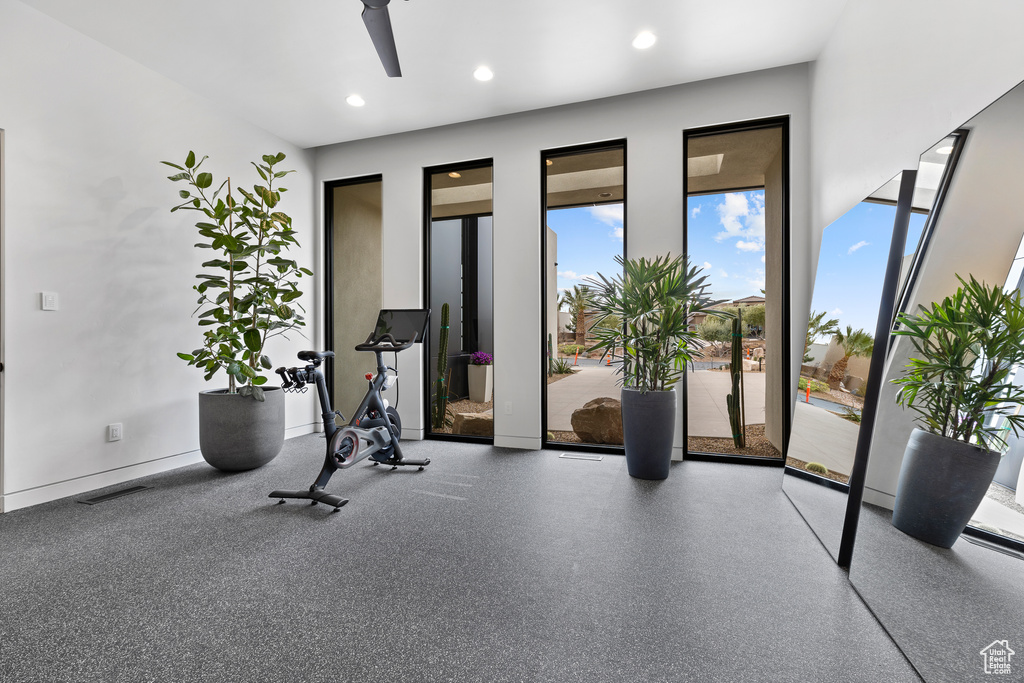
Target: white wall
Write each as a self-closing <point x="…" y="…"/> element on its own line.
<point x="652" y="122"/>
<point x="894" y="79"/>
<point x="87" y="217"/>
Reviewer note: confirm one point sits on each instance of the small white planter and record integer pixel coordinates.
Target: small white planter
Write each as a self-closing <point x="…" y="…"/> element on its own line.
<point x="481" y="383"/>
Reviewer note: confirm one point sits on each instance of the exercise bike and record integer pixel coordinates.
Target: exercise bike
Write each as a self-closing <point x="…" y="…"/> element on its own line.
<point x="375" y="428"/>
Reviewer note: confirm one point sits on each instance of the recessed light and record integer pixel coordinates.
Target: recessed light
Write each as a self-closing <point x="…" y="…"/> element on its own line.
<point x="947" y="150"/>
<point x="604" y="195"/>
<point x="483" y="74"/>
<point x="549" y="162"/>
<point x="644" y="40"/>
<point x="355" y="100"/>
<point x="454" y="174"/>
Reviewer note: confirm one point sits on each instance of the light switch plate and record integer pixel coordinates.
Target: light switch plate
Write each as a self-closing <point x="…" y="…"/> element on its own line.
<point x="48" y="301"/>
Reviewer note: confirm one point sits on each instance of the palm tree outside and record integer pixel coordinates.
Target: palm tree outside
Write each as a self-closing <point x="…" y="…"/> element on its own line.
<point x="854" y="343"/>
<point x="577" y="302"/>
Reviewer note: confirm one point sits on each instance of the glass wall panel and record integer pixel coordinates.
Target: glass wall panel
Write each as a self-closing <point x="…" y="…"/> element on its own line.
<point x="736" y="233"/>
<point x="584" y="232"/>
<point x="460" y="295"/>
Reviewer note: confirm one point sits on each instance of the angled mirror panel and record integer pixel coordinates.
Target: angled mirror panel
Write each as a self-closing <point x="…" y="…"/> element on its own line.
<point x="945" y="607"/>
<point x="838" y="349"/>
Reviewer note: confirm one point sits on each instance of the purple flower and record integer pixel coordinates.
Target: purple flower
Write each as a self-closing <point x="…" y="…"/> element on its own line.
<point x="481" y="358"/>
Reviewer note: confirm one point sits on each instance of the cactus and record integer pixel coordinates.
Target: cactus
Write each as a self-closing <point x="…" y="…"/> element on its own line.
<point x="551" y="358"/>
<point x="734" y="401"/>
<point x="439" y="410"/>
<point x="816" y="467"/>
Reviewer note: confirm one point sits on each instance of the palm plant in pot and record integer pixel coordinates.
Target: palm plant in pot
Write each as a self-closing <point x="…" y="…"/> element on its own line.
<point x="247" y="295"/>
<point x="960" y="383"/>
<point x="654" y="299"/>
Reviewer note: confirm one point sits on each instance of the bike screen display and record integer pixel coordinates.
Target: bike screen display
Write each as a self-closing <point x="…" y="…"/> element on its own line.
<point x="402" y="324"/>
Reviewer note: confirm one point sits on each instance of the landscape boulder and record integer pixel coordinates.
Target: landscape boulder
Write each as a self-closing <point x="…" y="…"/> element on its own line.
<point x="599" y="421"/>
<point x="473" y="424"/>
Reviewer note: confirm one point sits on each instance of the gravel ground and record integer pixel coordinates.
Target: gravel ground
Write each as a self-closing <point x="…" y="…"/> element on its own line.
<point x="757" y="444"/>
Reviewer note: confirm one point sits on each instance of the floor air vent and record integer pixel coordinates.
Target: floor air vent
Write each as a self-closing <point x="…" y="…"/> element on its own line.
<point x="114" y="494"/>
<point x="573" y="456"/>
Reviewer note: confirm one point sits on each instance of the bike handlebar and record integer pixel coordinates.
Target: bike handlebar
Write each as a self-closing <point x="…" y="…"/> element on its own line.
<point x="385" y="342"/>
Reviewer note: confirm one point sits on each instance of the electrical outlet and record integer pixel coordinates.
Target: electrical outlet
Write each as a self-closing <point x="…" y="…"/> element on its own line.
<point x="48" y="301"/>
<point x="114" y="432"/>
<point x="508" y="407"/>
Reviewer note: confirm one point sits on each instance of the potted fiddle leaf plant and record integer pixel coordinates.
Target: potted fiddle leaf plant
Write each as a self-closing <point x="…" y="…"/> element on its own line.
<point x="654" y="299"/>
<point x="966" y="349"/>
<point x="248" y="294"/>
<point x="481" y="376"/>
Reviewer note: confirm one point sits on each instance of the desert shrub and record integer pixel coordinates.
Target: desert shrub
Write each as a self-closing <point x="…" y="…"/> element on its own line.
<point x="571" y="349"/>
<point x="815" y="385"/>
<point x="560" y="366"/>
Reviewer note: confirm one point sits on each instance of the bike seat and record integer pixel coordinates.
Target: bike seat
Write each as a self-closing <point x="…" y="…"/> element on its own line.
<point x="315" y="356"/>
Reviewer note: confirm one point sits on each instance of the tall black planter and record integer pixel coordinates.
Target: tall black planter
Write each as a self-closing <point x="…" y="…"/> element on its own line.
<point x="941" y="484"/>
<point x="238" y="433"/>
<point x="648" y="426"/>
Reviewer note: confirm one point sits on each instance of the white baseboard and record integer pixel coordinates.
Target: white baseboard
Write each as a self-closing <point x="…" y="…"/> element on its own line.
<point x="677" y="453"/>
<point x="529" y="443"/>
<point x="879" y="498"/>
<point x="75" y="487"/>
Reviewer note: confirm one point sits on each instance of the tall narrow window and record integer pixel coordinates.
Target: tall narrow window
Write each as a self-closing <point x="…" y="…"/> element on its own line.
<point x="584" y="230"/>
<point x="460" y="347"/>
<point x="736" y="232"/>
<point x="355" y="252"/>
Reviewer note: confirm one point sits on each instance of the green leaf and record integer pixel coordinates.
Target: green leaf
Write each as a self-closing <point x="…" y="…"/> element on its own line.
<point x="178" y="176"/>
<point x="234" y="368"/>
<point x="257" y="393"/>
<point x="259" y="380"/>
<point x="190" y="160"/>
<point x="188" y="357"/>
<point x="204" y="180"/>
<point x="172" y="165"/>
<point x="265" y="362"/>
<point x="252" y="339"/>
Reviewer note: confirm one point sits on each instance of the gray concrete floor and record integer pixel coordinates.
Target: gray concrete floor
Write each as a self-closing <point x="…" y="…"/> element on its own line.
<point x="491" y="565"/>
<point x="706" y="412"/>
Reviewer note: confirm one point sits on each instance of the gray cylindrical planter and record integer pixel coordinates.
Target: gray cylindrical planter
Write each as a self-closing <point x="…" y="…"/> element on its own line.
<point x="648" y="426"/>
<point x="239" y="433"/>
<point x="941" y="484"/>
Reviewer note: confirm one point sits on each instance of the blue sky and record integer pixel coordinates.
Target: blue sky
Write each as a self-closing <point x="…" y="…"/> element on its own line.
<point x="589" y="238"/>
<point x="851" y="266"/>
<point x="725" y="236"/>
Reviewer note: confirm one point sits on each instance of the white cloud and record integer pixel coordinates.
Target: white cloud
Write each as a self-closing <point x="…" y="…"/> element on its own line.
<point x="722" y="273"/>
<point x="836" y="311"/>
<point x="707" y="266"/>
<point x="696" y="210"/>
<point x="857" y="246"/>
<point x="617" y="233"/>
<point x="742" y="218"/>
<point x="610" y="214"/>
<point x="762" y="258"/>
<point x="572" y="275"/>
<point x="756" y="280"/>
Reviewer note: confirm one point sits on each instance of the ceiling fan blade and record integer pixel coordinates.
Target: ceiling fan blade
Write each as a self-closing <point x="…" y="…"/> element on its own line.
<point x="378" y="24"/>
